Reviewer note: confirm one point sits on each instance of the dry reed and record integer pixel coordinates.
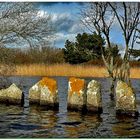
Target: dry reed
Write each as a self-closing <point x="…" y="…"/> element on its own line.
<point x="67" y="70"/>
<point x="60" y="70"/>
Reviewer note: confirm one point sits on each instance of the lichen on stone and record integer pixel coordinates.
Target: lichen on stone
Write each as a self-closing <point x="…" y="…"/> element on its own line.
<point x="125" y="97"/>
<point x="50" y="83"/>
<point x="76" y="86"/>
<point x="76" y="92"/>
<point x="44" y="92"/>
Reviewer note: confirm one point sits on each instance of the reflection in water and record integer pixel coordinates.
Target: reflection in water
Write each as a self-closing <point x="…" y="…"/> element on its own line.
<point x="81" y="124"/>
<point x="4" y="109"/>
<point x="46" y="119"/>
<point x="126" y="126"/>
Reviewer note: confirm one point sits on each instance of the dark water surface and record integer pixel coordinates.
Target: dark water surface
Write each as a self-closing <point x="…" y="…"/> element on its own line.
<point x="34" y="122"/>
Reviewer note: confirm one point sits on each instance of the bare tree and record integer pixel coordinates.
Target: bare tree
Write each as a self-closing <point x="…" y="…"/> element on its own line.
<point x="128" y="17"/>
<point x="22" y="23"/>
<point x="98" y="17"/>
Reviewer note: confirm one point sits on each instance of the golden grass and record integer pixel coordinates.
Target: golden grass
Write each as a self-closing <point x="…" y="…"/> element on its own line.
<point x="67" y="70"/>
<point x="60" y="70"/>
<point x="135" y="72"/>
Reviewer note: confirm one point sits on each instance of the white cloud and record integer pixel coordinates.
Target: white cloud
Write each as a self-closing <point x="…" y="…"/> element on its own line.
<point x="77" y="27"/>
<point x="62" y="16"/>
<point x="61" y="37"/>
<point x="66" y="27"/>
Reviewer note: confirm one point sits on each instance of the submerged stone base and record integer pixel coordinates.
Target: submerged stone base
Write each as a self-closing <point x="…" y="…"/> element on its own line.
<point x="80" y="108"/>
<point x="44" y="93"/>
<point x="94" y="100"/>
<point x="130" y="113"/>
<point x="3" y="96"/>
<point x="94" y="109"/>
<point x="47" y="106"/>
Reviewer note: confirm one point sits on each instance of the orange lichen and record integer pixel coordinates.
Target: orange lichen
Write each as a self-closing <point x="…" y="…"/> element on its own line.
<point x="50" y="83"/>
<point x="76" y="85"/>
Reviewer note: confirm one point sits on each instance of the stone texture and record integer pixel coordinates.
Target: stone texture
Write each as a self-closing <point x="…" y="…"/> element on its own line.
<point x="11" y="95"/>
<point x="34" y="94"/>
<point x="14" y="94"/>
<point x="3" y="96"/>
<point x="125" y="99"/>
<point x="94" y="101"/>
<point x="44" y="93"/>
<point x="76" y="94"/>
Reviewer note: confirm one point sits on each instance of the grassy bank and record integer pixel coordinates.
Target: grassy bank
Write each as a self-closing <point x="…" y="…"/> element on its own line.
<point x="67" y="70"/>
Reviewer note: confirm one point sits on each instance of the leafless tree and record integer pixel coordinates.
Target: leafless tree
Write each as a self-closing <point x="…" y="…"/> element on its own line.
<point x="128" y="17"/>
<point x="22" y="23"/>
<point x="98" y="17"/>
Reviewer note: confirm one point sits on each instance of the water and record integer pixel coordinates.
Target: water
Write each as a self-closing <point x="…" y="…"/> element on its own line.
<point x="35" y="122"/>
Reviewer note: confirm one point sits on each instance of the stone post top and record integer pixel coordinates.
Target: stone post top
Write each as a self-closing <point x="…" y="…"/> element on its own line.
<point x="121" y="82"/>
<point x="75" y="79"/>
<point x="45" y="81"/>
<point x="76" y="84"/>
<point x="48" y="82"/>
<point x="122" y="85"/>
<point x="93" y="83"/>
<point x="13" y="86"/>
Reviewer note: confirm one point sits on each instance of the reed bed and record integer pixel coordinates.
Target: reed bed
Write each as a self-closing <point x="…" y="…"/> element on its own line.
<point x="60" y="70"/>
<point x="67" y="70"/>
<point x="135" y="72"/>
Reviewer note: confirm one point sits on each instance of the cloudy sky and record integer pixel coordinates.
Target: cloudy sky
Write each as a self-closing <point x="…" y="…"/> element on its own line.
<point x="66" y="20"/>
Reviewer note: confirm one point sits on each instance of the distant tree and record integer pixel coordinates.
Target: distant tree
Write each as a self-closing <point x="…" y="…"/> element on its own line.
<point x="86" y="47"/>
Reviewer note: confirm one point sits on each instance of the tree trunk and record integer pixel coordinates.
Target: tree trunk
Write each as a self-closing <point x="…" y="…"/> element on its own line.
<point x="112" y="87"/>
<point x="110" y="67"/>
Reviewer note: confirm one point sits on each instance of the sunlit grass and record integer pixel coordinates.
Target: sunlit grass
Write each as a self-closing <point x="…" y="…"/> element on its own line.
<point x="67" y="70"/>
<point x="135" y="72"/>
<point x="60" y="70"/>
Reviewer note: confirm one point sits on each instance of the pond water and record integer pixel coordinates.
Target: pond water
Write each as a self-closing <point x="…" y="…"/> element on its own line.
<point x="34" y="122"/>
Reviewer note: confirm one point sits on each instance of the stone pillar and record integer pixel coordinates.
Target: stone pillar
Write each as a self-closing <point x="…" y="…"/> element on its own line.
<point x="125" y="99"/>
<point x="11" y="95"/>
<point x="14" y="94"/>
<point x="76" y="94"/>
<point x="49" y="92"/>
<point x="44" y="93"/>
<point x="34" y="94"/>
<point x="94" y="99"/>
